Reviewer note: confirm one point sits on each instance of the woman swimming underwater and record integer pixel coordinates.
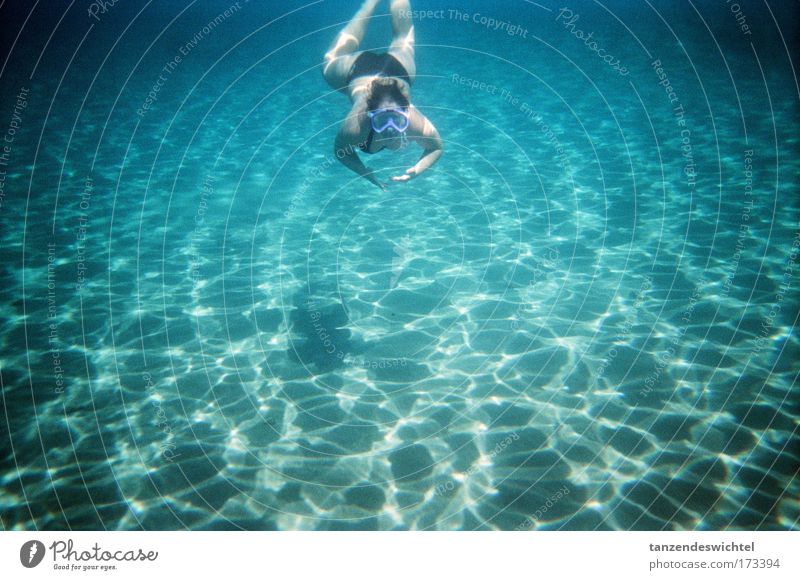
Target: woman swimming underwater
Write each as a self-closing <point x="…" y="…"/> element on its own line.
<point x="379" y="86"/>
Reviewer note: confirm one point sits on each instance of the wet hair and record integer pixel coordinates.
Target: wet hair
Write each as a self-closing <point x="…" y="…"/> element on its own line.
<point x="383" y="89"/>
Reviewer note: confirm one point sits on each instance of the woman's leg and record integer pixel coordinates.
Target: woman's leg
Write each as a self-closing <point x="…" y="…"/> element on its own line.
<point x="402" y="47"/>
<point x="344" y="50"/>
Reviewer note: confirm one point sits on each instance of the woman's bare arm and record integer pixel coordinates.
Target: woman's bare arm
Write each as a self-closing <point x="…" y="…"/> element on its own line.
<point x="426" y="136"/>
<point x="345" y="146"/>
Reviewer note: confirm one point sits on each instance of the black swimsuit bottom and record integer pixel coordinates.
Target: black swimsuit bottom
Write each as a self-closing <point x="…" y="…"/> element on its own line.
<point x="369" y="64"/>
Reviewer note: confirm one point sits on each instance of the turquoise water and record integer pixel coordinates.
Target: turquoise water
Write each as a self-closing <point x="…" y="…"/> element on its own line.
<point x="584" y="317"/>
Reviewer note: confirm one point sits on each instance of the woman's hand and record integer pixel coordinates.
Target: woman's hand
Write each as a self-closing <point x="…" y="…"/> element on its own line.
<point x="371" y="177"/>
<point x="412" y="172"/>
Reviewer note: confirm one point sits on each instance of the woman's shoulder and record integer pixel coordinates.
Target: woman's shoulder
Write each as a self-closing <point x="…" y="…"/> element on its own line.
<point x="418" y="120"/>
<point x="356" y="126"/>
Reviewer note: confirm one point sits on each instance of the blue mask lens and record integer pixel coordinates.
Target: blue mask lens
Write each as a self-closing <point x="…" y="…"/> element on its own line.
<point x="382" y="119"/>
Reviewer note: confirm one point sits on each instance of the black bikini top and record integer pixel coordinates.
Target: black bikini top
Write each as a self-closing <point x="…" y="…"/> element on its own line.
<point x="365" y="145"/>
